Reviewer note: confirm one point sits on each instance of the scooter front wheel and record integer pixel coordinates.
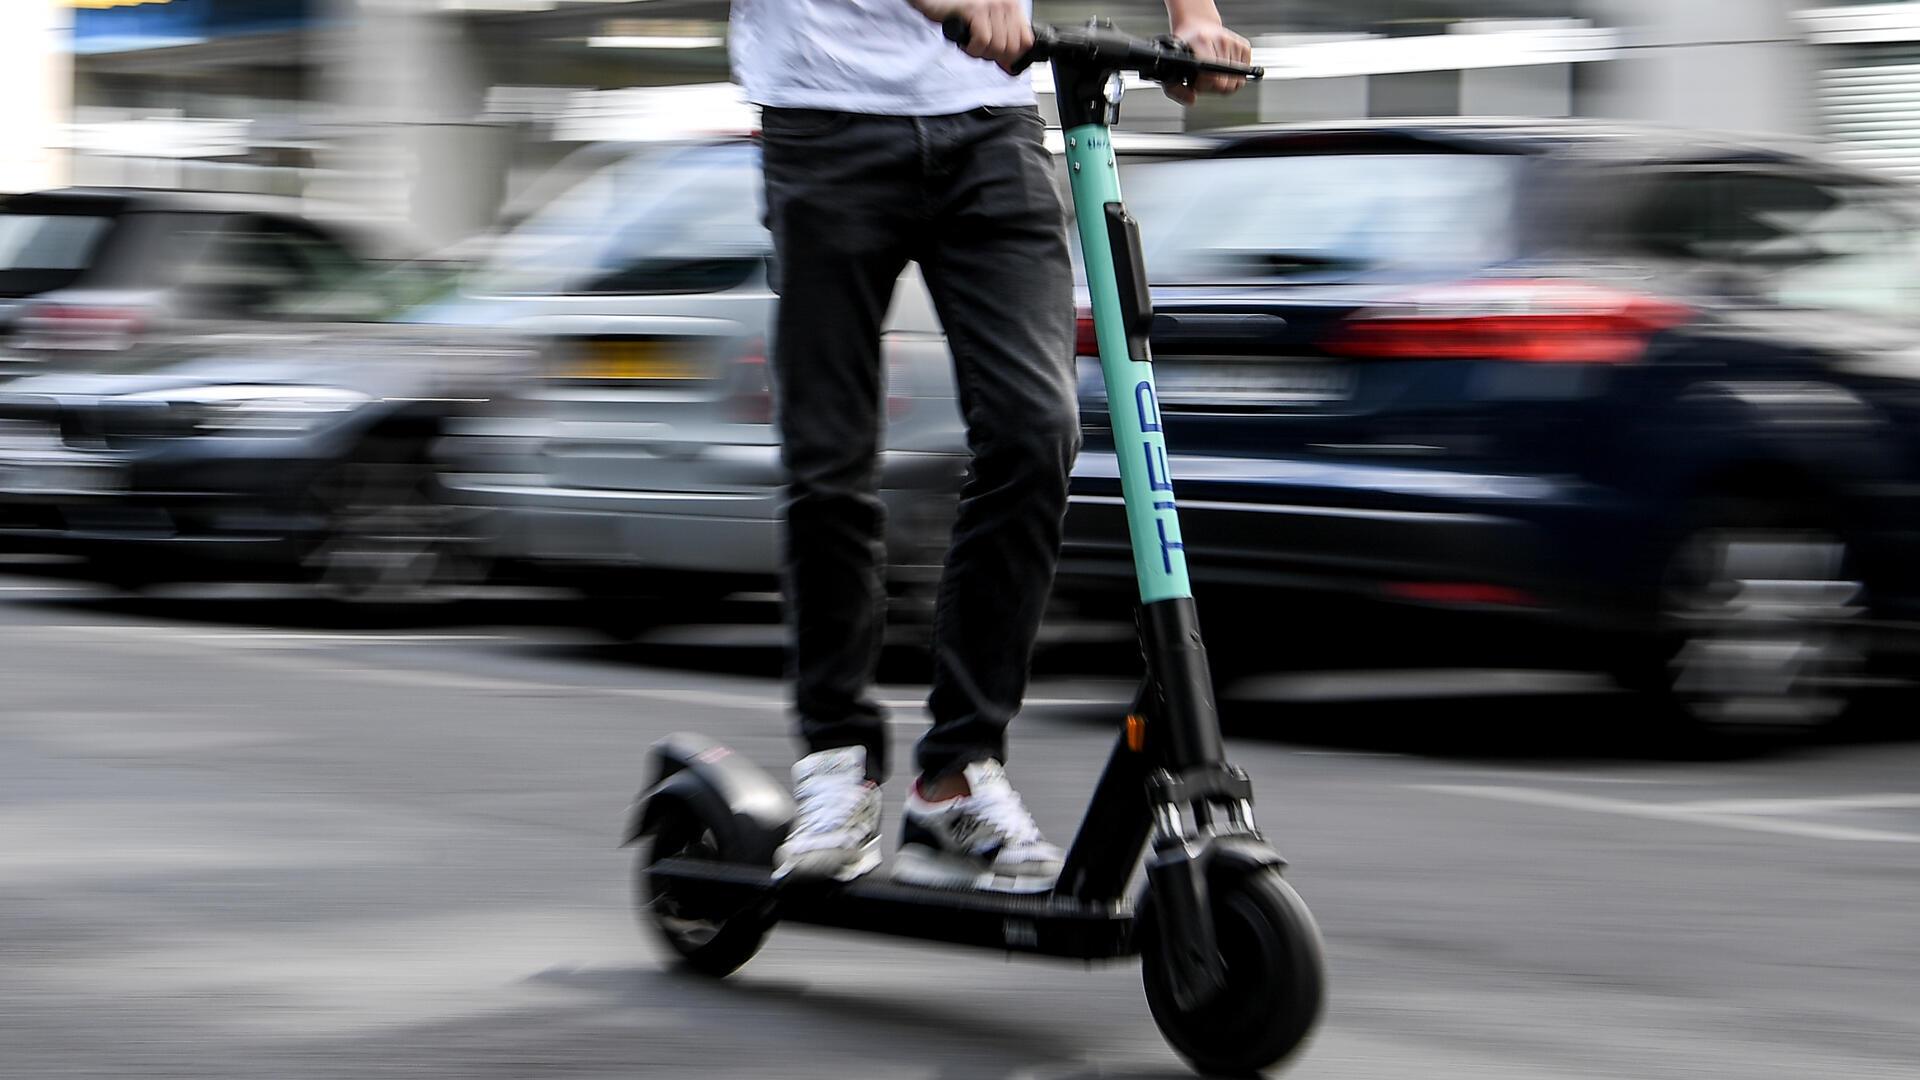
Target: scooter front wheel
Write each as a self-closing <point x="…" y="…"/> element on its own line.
<point x="1274" y="978"/>
<point x="712" y="942"/>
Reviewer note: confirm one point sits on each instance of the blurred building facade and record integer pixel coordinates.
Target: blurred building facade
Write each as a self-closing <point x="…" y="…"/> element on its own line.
<point x="437" y="114"/>
<point x="36" y="78"/>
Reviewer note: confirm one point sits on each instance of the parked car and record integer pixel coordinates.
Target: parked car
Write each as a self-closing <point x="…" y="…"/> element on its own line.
<point x="1658" y="387"/>
<point x="304" y="448"/>
<point x="103" y="268"/>
<point x="647" y="461"/>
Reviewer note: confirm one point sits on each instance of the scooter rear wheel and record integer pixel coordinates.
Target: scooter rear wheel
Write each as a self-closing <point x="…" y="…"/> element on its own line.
<point x="711" y="942"/>
<point x="1275" y="979"/>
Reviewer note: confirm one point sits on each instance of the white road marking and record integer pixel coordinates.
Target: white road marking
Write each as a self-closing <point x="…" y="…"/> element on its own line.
<point x="241" y="647"/>
<point x="159" y="640"/>
<point x="1819" y="805"/>
<point x="1688" y="813"/>
<point x="1577" y="778"/>
<point x="327" y="635"/>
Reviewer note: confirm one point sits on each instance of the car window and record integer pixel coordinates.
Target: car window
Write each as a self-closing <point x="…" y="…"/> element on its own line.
<point x="254" y="264"/>
<point x="49" y="241"/>
<point x="1798" y="241"/>
<point x="47" y="251"/>
<point x="1323" y="217"/>
<point x="328" y="263"/>
<point x="680" y="219"/>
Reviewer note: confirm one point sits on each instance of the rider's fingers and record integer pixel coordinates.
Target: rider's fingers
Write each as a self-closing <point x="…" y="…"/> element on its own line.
<point x="1008" y="31"/>
<point x="1223" y="84"/>
<point x="1021" y="42"/>
<point x="980" y="36"/>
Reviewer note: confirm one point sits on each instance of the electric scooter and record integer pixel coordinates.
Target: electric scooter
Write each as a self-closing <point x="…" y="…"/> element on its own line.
<point x="1232" y="959"/>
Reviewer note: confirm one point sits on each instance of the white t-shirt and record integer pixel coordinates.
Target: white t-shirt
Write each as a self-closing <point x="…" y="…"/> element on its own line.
<point x="865" y="56"/>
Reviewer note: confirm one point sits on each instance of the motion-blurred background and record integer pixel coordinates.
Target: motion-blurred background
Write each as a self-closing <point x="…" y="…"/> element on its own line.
<point x="442" y="113"/>
<point x="386" y="458"/>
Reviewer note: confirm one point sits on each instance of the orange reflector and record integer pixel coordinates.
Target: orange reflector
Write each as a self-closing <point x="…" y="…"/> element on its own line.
<point x="1136" y="732"/>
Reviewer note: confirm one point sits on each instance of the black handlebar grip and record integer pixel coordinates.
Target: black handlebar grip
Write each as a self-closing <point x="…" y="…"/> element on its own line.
<point x="960" y="31"/>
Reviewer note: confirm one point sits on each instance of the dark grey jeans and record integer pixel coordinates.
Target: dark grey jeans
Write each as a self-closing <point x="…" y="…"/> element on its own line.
<point x="851" y="199"/>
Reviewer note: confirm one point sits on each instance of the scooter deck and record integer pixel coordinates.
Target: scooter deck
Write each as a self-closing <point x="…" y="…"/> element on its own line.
<point x="1040" y="923"/>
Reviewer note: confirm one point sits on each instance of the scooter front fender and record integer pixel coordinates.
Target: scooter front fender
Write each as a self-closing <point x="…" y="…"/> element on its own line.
<point x="730" y="794"/>
<point x="1216" y="860"/>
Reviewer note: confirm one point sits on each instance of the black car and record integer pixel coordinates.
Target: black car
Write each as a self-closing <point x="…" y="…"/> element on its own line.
<point x="313" y="452"/>
<point x="1652" y="386"/>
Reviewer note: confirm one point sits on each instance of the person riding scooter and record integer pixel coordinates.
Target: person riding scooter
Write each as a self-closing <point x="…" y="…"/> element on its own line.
<point x="884" y="144"/>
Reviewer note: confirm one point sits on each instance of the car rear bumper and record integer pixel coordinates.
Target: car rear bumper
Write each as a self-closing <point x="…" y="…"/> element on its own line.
<point x="724" y="532"/>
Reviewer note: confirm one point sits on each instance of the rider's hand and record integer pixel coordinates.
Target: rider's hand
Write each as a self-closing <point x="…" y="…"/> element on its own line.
<point x="1002" y="32"/>
<point x="1210" y="40"/>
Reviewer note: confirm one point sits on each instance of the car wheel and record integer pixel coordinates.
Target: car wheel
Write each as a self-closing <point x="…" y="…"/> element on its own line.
<point x="391" y="535"/>
<point x="1761" y="622"/>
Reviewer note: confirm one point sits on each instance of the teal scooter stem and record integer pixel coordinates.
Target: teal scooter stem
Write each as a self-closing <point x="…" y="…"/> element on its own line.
<point x="1231" y="960"/>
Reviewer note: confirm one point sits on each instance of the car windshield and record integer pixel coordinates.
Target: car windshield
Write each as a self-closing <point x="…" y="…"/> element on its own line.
<point x="1321" y="217"/>
<point x="39" y="252"/>
<point x="657" y="220"/>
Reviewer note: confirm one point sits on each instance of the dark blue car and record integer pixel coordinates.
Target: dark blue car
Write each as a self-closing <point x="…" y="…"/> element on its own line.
<point x="1653" y="386"/>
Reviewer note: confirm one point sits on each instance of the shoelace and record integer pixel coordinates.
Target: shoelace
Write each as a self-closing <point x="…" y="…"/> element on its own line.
<point x="1000" y="806"/>
<point x="827" y="802"/>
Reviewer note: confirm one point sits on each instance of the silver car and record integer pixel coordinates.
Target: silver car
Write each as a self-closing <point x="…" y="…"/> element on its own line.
<point x="643" y="460"/>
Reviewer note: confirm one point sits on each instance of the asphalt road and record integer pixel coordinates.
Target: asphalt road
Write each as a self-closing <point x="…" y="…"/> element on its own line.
<point x="247" y="839"/>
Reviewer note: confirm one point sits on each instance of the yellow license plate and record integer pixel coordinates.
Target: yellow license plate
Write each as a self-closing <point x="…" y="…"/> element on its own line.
<point x="664" y="360"/>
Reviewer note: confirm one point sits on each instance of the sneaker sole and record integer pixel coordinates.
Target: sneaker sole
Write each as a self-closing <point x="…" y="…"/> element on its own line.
<point x="864" y="859"/>
<point x="916" y="865"/>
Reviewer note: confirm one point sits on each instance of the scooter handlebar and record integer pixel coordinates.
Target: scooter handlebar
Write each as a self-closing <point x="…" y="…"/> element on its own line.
<point x="1163" y="60"/>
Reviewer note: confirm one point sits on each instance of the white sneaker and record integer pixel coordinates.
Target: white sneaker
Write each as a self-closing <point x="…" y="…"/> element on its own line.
<point x="985" y="839"/>
<point x="836" y="822"/>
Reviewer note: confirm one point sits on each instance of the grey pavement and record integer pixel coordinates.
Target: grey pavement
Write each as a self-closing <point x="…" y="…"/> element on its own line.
<point x="238" y="843"/>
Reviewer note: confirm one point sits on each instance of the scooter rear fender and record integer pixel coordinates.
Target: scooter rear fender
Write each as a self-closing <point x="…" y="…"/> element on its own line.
<point x="725" y="790"/>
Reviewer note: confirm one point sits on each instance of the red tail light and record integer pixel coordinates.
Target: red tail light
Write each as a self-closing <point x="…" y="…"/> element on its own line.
<point x="80" y="326"/>
<point x="750" y="400"/>
<point x="1461" y="592"/>
<point x="898" y="383"/>
<point x="1542" y="321"/>
<point x="1085" y="343"/>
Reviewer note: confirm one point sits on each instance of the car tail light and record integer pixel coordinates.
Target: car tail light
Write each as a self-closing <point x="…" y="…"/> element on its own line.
<point x="1540" y="321"/>
<point x="750" y="401"/>
<point x="1461" y="592"/>
<point x="898" y="400"/>
<point x="1085" y="341"/>
<point x="80" y="326"/>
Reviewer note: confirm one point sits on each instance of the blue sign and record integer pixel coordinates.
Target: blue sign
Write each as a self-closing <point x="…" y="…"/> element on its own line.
<point x="101" y="26"/>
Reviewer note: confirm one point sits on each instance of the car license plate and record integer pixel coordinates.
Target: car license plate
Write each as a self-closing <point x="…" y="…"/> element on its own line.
<point x="1264" y="383"/>
<point x="62" y="478"/>
<point x="635" y="359"/>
